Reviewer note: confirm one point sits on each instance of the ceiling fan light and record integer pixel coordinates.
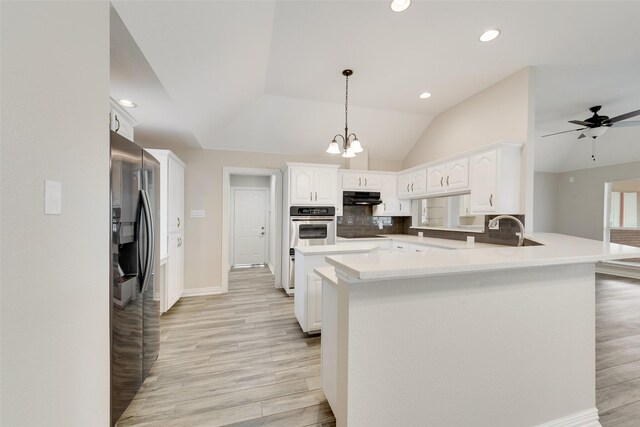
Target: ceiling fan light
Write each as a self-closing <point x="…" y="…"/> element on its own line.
<point x="355" y="146"/>
<point x="333" y="148"/>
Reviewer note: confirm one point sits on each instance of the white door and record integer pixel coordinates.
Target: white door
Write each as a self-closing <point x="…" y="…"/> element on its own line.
<point x="484" y="182"/>
<point x="301" y="186"/>
<point x="175" y="269"/>
<point x="325" y="183"/>
<point x="458" y="174"/>
<point x="435" y="179"/>
<point x="249" y="227"/>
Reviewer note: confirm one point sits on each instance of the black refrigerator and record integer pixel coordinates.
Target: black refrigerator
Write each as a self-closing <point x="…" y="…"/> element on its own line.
<point x="134" y="297"/>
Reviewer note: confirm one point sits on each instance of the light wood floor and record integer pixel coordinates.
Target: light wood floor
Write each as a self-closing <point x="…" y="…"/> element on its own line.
<point x="618" y="351"/>
<point x="236" y="359"/>
<point x="240" y="359"/>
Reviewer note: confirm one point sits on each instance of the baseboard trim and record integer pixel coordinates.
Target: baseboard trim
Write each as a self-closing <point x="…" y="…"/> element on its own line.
<point x="618" y="270"/>
<point x="588" y="418"/>
<point x="196" y="292"/>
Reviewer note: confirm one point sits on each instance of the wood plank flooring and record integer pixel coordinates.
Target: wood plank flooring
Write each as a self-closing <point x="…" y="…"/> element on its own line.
<point x="618" y="351"/>
<point x="240" y="359"/>
<point x="237" y="359"/>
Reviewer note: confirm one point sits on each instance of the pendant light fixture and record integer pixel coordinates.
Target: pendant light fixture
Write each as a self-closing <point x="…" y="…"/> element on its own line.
<point x="350" y="143"/>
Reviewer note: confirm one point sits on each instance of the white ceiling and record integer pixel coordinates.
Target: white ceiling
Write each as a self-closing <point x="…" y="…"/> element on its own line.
<point x="266" y="76"/>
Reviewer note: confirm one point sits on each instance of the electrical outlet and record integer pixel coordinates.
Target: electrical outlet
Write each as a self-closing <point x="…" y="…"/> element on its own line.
<point x="380" y="225"/>
<point x="420" y="234"/>
<point x="495" y="227"/>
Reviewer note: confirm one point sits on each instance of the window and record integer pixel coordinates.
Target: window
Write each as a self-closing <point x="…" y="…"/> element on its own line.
<point x="624" y="210"/>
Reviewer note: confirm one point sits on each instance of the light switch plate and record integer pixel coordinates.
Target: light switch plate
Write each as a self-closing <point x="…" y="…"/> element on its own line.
<point x="197" y="213"/>
<point x="471" y="239"/>
<point x="52" y="197"/>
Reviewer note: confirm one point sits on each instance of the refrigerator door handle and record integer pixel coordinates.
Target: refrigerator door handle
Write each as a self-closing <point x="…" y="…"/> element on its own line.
<point x="150" y="229"/>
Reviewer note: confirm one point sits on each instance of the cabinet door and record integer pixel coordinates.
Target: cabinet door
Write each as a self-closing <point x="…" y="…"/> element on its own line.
<point x="314" y="302"/>
<point x="404" y="185"/>
<point x="301" y="186"/>
<point x="388" y="189"/>
<point x="175" y="196"/>
<point x="372" y="182"/>
<point x="419" y="182"/>
<point x="175" y="269"/>
<point x="121" y="125"/>
<point x="352" y="181"/>
<point x="465" y="208"/>
<point x="457" y="174"/>
<point x="325" y="186"/>
<point x="403" y="208"/>
<point x="435" y="179"/>
<point x="484" y="176"/>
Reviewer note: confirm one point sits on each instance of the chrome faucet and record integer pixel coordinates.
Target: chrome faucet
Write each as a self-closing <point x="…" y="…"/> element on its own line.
<point x="495" y="220"/>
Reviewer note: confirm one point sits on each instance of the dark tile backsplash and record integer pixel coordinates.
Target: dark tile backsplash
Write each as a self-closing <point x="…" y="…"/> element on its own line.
<point x="358" y="221"/>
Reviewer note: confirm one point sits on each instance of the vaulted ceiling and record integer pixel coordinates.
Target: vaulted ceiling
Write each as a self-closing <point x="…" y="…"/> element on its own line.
<point x="266" y="75"/>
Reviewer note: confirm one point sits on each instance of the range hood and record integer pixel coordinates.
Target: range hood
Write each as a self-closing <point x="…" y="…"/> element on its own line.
<point x="361" y="198"/>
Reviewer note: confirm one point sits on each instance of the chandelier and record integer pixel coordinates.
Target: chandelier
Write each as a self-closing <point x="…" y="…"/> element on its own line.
<point x="350" y="143"/>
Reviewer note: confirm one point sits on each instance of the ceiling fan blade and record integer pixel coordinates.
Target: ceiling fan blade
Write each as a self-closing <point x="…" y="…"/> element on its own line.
<point x="582" y="123"/>
<point x="564" y="131"/>
<point x="624" y="116"/>
<point x="626" y="124"/>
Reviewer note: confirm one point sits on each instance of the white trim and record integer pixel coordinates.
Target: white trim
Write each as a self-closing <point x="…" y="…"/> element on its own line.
<point x="227" y="171"/>
<point x="588" y="418"/>
<point x="232" y="215"/>
<point x="618" y="269"/>
<point x="195" y="292"/>
<point x="272" y="268"/>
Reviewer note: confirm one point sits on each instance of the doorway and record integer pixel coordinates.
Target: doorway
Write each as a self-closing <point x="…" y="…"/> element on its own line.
<point x="622" y="217"/>
<point x="249" y="230"/>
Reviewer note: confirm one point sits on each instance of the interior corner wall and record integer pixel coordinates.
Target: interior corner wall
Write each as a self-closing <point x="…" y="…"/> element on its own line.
<point x="203" y="190"/>
<point x="54" y="311"/>
<point x="498" y="113"/>
<point x="545" y="202"/>
<point x="580" y="204"/>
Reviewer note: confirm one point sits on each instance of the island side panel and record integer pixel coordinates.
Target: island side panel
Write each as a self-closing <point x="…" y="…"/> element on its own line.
<point x="503" y="348"/>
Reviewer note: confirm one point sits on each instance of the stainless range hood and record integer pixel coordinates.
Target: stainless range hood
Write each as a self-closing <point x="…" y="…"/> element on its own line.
<point x="361" y="198"/>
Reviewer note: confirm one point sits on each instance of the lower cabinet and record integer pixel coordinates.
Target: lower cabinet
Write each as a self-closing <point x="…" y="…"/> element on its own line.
<point x="175" y="269"/>
<point x="314" y="302"/>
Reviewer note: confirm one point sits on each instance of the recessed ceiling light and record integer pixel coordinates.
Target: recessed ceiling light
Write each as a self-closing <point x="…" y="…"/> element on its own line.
<point x="489" y="35"/>
<point x="400" y="5"/>
<point x="127" y="103"/>
<point x="425" y="95"/>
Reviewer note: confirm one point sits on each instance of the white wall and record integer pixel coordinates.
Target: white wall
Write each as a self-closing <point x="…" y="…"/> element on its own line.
<point x="580" y="204"/>
<point x="545" y="202"/>
<point x="54" y="321"/>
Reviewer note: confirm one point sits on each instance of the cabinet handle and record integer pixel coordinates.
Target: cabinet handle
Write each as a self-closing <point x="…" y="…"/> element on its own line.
<point x="407" y="188"/>
<point x="412" y="186"/>
<point x="447" y="180"/>
<point x="400" y="206"/>
<point x="311" y="196"/>
<point x="359" y="182"/>
<point x="491" y="200"/>
<point x="316" y="196"/>
<point x="178" y="222"/>
<point x="384" y="206"/>
<point x="441" y="181"/>
<point x="365" y="182"/>
<point x="117" y="122"/>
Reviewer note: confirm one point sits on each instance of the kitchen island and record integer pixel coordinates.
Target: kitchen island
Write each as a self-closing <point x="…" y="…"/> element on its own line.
<point x="493" y="336"/>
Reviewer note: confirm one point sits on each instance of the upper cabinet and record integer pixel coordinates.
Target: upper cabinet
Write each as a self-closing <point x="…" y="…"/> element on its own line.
<point x="356" y="181"/>
<point x="175" y="198"/>
<point x="391" y="205"/>
<point x="313" y="185"/>
<point x="495" y="181"/>
<point x="120" y="121"/>
<point x="412" y="184"/>
<point x="449" y="177"/>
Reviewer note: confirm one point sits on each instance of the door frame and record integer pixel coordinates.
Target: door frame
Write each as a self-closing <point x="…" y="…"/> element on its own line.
<point x="232" y="224"/>
<point x="225" y="263"/>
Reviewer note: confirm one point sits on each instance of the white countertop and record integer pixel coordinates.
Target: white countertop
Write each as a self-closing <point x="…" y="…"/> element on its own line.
<point x="327" y="273"/>
<point x="558" y="249"/>
<point x="342" y="248"/>
<point x="428" y="241"/>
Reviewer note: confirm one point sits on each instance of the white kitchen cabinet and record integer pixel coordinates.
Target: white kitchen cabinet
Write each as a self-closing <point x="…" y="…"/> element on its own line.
<point x="175" y="269"/>
<point x="390" y="205"/>
<point x="121" y="122"/>
<point x="495" y="181"/>
<point x="314" y="302"/>
<point x="313" y="185"/>
<point x="412" y="184"/>
<point x="175" y="194"/>
<point x="357" y="181"/>
<point x="447" y="178"/>
<point x="465" y="205"/>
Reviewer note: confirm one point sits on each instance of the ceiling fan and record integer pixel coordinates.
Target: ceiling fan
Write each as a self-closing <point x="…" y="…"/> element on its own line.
<point x="596" y="125"/>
